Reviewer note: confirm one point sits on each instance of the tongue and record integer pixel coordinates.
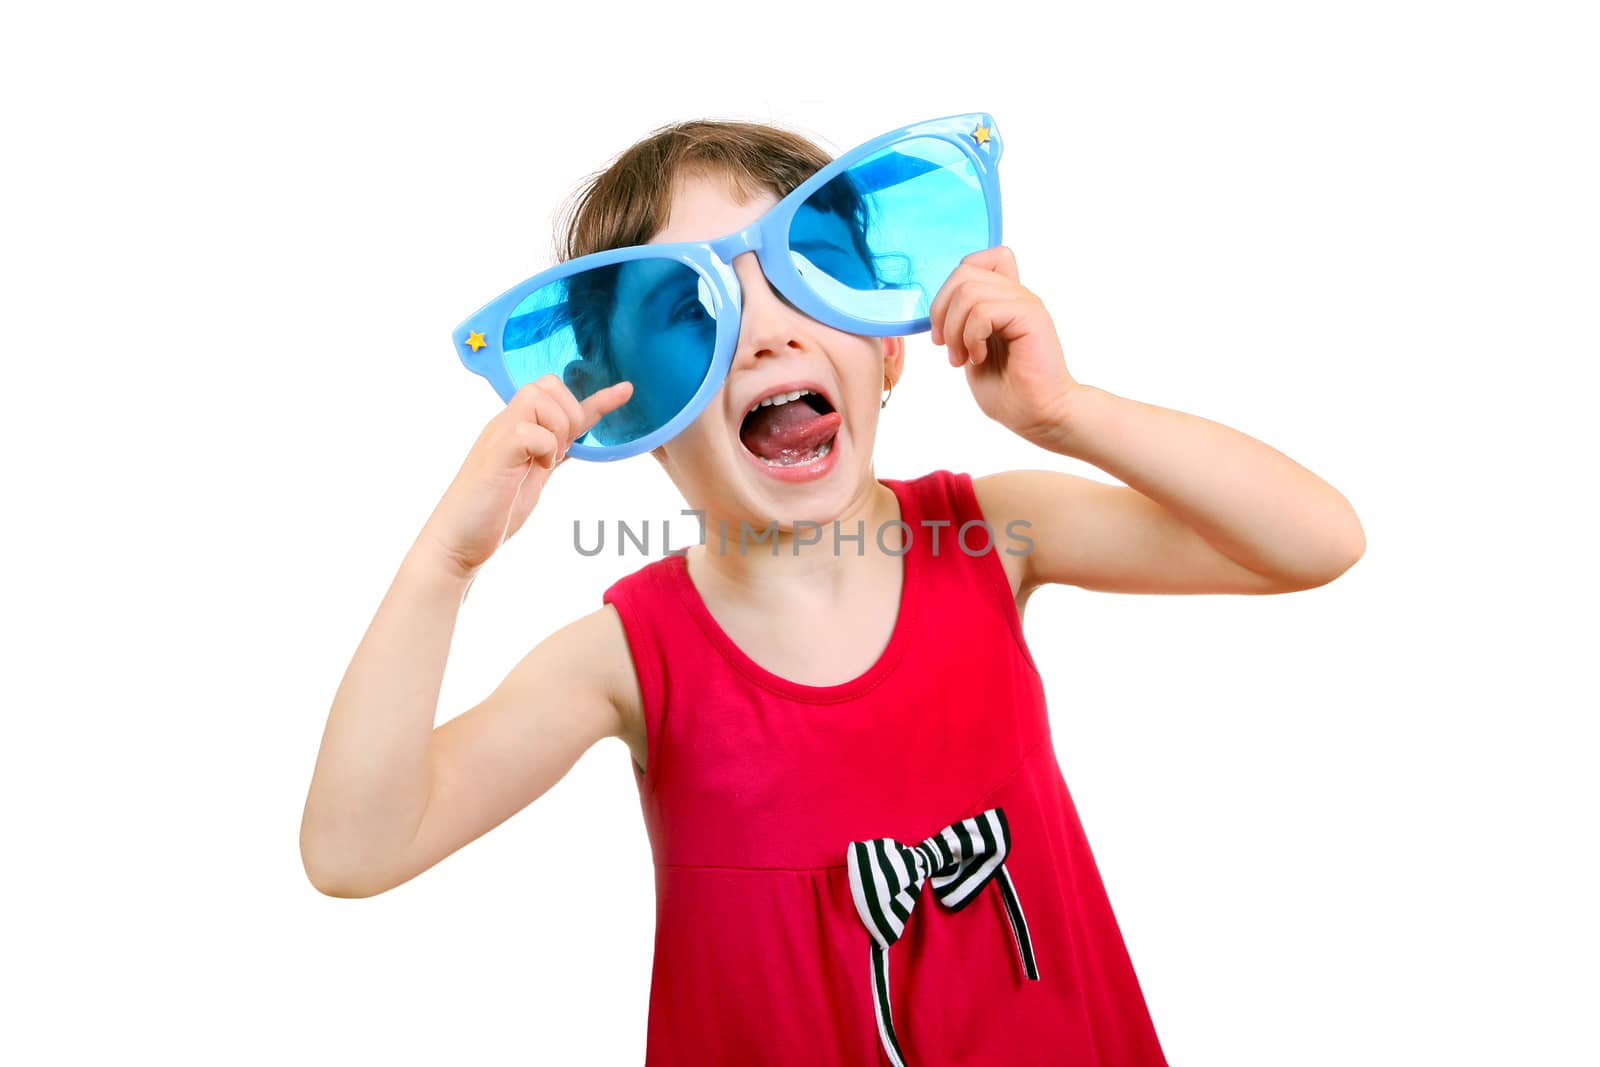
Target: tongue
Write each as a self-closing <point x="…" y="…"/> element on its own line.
<point x="787" y="431"/>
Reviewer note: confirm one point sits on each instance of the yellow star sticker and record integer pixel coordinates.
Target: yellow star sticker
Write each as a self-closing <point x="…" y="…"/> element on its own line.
<point x="981" y="135"/>
<point x="475" y="341"/>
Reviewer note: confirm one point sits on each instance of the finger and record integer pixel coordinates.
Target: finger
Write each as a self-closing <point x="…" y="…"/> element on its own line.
<point x="535" y="442"/>
<point x="570" y="407"/>
<point x="519" y="407"/>
<point x="999" y="259"/>
<point x="965" y="274"/>
<point x="987" y="319"/>
<point x="550" y="415"/>
<point x="523" y="401"/>
<point x="956" y="318"/>
<point x="604" y="401"/>
<point x="975" y="333"/>
<point x="939" y="310"/>
<point x="963" y="300"/>
<point x="954" y="325"/>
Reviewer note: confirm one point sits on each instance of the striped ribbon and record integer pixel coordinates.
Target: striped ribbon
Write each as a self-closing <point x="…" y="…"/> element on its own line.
<point x="886" y="878"/>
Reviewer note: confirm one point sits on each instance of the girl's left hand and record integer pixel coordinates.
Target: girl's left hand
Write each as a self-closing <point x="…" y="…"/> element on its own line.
<point x="1005" y="338"/>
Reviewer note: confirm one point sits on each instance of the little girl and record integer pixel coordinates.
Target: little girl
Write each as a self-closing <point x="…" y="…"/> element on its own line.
<point x="840" y="718"/>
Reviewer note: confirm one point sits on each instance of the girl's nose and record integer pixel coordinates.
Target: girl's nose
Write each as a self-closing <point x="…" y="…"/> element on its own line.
<point x="768" y="323"/>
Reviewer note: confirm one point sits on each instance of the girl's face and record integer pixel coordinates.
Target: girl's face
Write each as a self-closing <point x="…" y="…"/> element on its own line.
<point x="775" y="464"/>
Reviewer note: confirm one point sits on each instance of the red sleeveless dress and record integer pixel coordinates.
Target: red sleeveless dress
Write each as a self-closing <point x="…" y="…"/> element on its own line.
<point x="758" y="791"/>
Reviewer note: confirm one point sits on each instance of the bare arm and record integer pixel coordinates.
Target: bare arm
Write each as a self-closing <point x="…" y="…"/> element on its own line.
<point x="576" y="687"/>
<point x="393" y="796"/>
<point x="1203" y="508"/>
<point x="1206" y="509"/>
<point x="390" y="795"/>
<point x="372" y="776"/>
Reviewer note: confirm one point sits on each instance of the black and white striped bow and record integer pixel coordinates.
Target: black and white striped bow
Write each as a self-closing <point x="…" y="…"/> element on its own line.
<point x="886" y="877"/>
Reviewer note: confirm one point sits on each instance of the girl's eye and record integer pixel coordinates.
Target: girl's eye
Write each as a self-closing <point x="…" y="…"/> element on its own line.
<point x="688" y="311"/>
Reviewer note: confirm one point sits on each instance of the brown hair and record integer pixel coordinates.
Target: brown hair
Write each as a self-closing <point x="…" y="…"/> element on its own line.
<point x="628" y="202"/>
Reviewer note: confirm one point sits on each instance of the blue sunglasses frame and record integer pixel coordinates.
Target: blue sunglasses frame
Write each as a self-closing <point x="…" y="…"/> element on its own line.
<point x="478" y="340"/>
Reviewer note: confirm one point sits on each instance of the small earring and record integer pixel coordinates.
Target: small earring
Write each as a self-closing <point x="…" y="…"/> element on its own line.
<point x="885" y="402"/>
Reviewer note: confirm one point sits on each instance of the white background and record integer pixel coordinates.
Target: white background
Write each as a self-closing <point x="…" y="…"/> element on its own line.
<point x="1350" y="825"/>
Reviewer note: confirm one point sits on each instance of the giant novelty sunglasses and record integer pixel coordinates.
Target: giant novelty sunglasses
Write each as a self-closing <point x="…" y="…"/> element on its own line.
<point x="863" y="246"/>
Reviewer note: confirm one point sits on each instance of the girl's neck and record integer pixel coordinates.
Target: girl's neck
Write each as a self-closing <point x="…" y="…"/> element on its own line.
<point x="825" y="557"/>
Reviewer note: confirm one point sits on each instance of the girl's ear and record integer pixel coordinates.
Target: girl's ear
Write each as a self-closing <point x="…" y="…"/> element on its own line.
<point x="894" y="357"/>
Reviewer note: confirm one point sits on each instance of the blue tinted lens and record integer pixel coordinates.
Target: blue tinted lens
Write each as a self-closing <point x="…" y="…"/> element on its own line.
<point x="878" y="241"/>
<point x="648" y="321"/>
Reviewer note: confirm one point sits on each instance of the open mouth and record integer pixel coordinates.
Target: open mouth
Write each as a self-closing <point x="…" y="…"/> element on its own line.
<point x="790" y="429"/>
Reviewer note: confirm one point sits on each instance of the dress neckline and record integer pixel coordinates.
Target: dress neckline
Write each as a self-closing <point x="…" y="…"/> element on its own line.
<point x="910" y="586"/>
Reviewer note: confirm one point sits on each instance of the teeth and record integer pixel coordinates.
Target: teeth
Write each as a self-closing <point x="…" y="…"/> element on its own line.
<point x="795" y="461"/>
<point x="781" y="398"/>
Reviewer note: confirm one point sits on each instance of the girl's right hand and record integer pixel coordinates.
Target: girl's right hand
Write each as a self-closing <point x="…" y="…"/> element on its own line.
<point x="502" y="476"/>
